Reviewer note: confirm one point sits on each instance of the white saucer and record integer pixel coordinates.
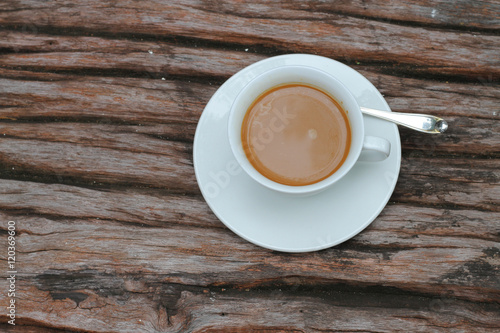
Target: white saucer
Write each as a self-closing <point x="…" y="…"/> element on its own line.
<point x="281" y="222"/>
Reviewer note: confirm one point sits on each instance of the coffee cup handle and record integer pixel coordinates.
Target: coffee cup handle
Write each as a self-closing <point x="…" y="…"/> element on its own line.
<point x="375" y="149"/>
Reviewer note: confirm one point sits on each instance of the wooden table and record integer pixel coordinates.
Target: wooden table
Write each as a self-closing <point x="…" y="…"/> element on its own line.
<point x="99" y="102"/>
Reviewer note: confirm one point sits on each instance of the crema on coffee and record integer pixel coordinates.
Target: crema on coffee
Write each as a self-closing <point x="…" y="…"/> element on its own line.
<point x="296" y="134"/>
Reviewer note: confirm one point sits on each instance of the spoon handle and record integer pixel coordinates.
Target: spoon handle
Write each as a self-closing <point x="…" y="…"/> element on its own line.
<point x="420" y="122"/>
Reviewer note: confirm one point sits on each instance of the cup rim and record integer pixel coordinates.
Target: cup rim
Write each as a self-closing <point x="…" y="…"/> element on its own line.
<point x="234" y="132"/>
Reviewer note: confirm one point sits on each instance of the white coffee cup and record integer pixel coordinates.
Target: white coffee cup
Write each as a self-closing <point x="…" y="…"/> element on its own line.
<point x="319" y="79"/>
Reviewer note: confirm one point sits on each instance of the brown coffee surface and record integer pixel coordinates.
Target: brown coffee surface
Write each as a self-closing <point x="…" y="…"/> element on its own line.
<point x="296" y="135"/>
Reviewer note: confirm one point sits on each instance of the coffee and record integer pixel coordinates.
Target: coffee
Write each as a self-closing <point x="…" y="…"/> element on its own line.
<point x="296" y="134"/>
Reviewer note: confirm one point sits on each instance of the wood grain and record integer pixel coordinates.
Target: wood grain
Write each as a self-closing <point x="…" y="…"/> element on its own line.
<point x="148" y="274"/>
<point x="469" y="109"/>
<point x="99" y="102"/>
<point x="453" y="53"/>
<point x="217" y="309"/>
<point x="159" y="250"/>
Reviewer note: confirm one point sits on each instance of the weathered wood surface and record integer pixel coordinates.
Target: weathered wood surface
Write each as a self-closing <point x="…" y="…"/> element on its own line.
<point x="99" y="102"/>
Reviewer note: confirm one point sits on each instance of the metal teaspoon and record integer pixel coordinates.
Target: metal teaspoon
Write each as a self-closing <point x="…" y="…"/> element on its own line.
<point x="420" y="122"/>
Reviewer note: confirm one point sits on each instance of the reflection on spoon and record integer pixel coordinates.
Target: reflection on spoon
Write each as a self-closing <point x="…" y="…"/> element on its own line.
<point x="420" y="122"/>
